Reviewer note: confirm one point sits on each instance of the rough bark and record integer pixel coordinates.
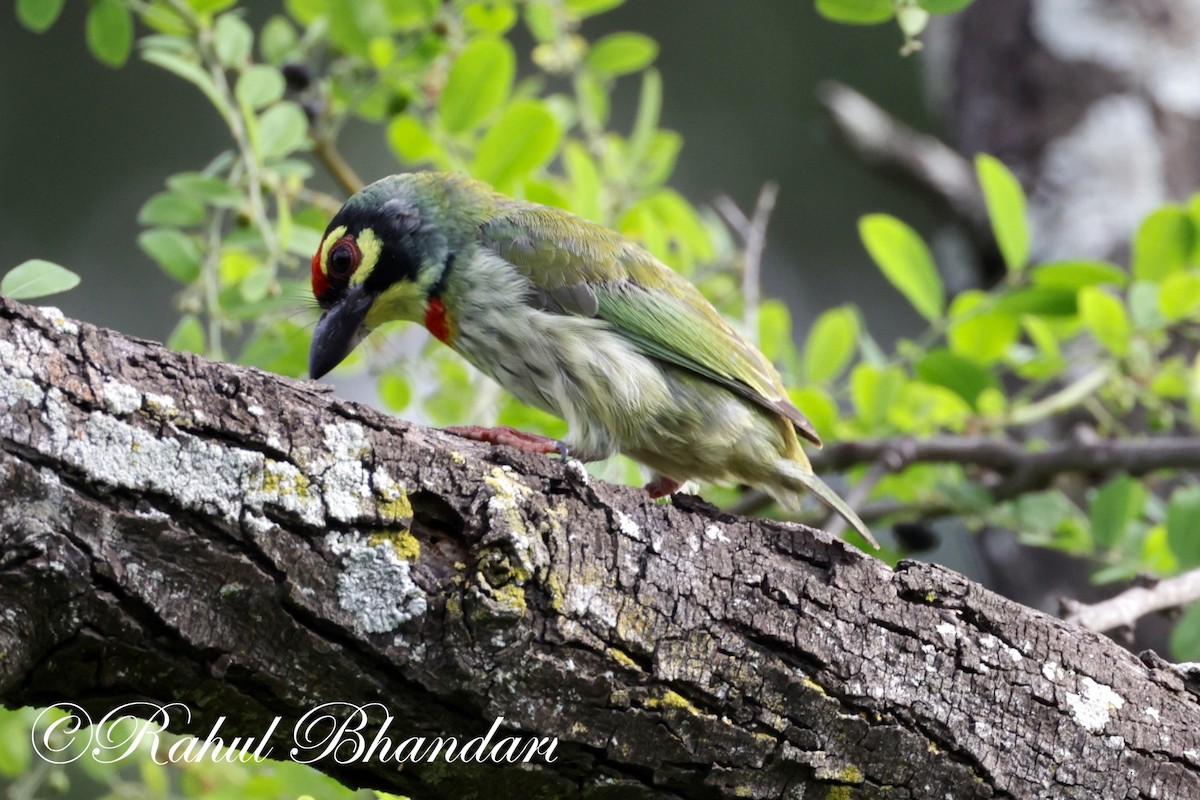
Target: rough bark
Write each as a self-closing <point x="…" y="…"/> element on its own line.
<point x="179" y="530"/>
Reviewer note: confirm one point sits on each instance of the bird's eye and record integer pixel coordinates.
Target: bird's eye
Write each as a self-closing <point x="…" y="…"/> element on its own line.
<point x="344" y="258"/>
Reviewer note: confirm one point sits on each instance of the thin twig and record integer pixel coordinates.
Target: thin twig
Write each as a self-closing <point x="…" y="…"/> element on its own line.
<point x="1132" y="604"/>
<point x="753" y="232"/>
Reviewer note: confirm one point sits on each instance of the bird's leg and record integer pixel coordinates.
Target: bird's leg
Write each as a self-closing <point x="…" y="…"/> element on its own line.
<point x="662" y="486"/>
<point x="503" y="434"/>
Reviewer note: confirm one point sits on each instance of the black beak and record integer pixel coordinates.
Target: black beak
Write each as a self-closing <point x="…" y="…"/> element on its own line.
<point x="338" y="331"/>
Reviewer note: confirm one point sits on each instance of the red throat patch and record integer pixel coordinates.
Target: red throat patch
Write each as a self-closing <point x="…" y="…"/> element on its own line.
<point x="320" y="283"/>
<point x="436" y="321"/>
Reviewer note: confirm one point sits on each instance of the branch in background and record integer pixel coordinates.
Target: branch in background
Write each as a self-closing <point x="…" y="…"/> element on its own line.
<point x="753" y="232"/>
<point x="1132" y="604"/>
<point x="337" y="166"/>
<point x="1016" y="469"/>
<point x="1019" y="468"/>
<point x="882" y="140"/>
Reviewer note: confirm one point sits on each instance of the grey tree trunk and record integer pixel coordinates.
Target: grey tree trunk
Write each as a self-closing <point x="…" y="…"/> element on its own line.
<point x="179" y="530"/>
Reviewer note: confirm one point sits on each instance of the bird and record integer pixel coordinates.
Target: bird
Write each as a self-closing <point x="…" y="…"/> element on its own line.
<point x="571" y="318"/>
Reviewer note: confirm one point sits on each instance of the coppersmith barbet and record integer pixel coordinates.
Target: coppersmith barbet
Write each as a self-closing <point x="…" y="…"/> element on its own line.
<point x="571" y="318"/>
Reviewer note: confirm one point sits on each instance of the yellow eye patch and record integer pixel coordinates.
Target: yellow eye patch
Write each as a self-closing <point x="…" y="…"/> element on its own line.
<point x="370" y="246"/>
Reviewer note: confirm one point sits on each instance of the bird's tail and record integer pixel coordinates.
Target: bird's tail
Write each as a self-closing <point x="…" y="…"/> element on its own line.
<point x="789" y="494"/>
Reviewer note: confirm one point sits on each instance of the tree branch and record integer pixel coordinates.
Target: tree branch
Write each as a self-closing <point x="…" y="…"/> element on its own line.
<point x="1129" y="606"/>
<point x="1014" y="468"/>
<point x="753" y="232"/>
<point x="179" y="530"/>
<point x="881" y="140"/>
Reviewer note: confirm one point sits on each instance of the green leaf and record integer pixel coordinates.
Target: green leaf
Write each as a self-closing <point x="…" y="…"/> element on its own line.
<point x="353" y="23"/>
<point x="38" y="15"/>
<point x="1114" y="506"/>
<point x="661" y="155"/>
<point x="210" y="6"/>
<point x="207" y="189"/>
<point x="593" y="102"/>
<point x="411" y="15"/>
<point x="944" y="6"/>
<point x="1143" y="306"/>
<point x="1185" y="636"/>
<point x="774" y="330"/>
<point x="1104" y="315"/>
<point x="1074" y="275"/>
<point x="409" y="139"/>
<point x="37" y="278"/>
<point x="190" y="72"/>
<point x="16" y="751"/>
<point x="170" y="208"/>
<point x="188" y="336"/>
<point x="964" y="377"/>
<point x="589" y="8"/>
<point x="1037" y="300"/>
<point x="1043" y="336"/>
<point x="906" y="262"/>
<point x="1180" y="296"/>
<point x="277" y="40"/>
<point x="479" y="83"/>
<point x="1163" y="243"/>
<point x="306" y="12"/>
<point x="523" y="139"/>
<point x="831" y="344"/>
<point x="1044" y="512"/>
<point x="1006" y="210"/>
<point x="645" y="124"/>
<point x="622" y="53"/>
<point x="110" y="32"/>
<point x="856" y="12"/>
<point x="490" y="17"/>
<point x="923" y="409"/>
<point x="818" y="406"/>
<point x="175" y="252"/>
<point x="282" y="129"/>
<point x="542" y="21"/>
<point x="281" y="347"/>
<point x="259" y="86"/>
<point x="983" y="336"/>
<point x="394" y="391"/>
<point x="874" y="391"/>
<point x="585" y="181"/>
<point x="1183" y="525"/>
<point x="232" y="39"/>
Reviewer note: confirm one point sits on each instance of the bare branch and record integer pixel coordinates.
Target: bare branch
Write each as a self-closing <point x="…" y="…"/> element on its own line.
<point x="753" y="231"/>
<point x="1134" y="603"/>
<point x="1013" y="468"/>
<point x="1018" y="469"/>
<point x="882" y="140"/>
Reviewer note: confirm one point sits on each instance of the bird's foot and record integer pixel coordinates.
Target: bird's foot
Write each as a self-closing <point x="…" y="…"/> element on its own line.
<point x="662" y="486"/>
<point x="503" y="434"/>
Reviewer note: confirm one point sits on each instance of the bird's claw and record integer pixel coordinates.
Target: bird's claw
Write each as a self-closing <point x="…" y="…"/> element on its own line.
<point x="503" y="434"/>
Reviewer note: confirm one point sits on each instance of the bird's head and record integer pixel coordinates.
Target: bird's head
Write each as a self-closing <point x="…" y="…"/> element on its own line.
<point x="383" y="258"/>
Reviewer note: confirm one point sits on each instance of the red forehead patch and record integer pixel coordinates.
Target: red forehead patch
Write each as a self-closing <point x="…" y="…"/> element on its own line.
<point x="320" y="283"/>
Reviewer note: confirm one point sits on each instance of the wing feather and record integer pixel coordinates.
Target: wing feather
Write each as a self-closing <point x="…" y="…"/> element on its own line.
<point x="583" y="269"/>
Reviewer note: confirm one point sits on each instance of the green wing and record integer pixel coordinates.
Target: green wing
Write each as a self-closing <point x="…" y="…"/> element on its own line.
<point x="578" y="267"/>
